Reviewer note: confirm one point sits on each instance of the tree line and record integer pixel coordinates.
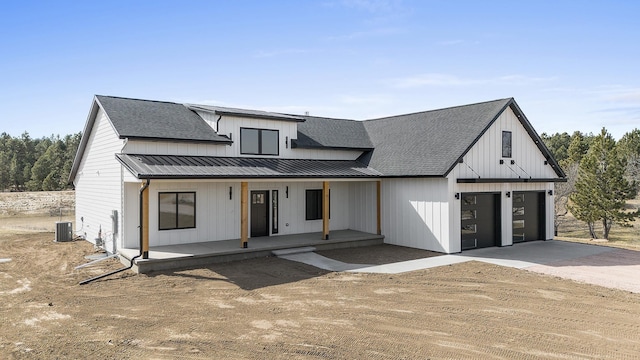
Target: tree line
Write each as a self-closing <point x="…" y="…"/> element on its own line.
<point x="602" y="174"/>
<point x="36" y="164"/>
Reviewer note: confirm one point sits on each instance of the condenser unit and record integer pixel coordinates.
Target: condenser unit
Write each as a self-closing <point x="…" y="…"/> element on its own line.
<point x="64" y="231"/>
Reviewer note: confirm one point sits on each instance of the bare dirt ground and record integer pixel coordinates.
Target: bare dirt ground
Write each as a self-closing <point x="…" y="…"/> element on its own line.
<point x="275" y="309"/>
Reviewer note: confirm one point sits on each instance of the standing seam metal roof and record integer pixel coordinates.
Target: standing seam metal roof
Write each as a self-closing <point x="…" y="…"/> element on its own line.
<point x="177" y="166"/>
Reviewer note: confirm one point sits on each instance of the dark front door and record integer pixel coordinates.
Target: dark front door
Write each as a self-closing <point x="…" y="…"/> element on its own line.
<point x="259" y="213"/>
<point x="528" y="216"/>
<point x="480" y="220"/>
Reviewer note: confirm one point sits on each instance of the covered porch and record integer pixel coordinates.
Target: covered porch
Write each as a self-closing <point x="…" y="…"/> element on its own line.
<point x="202" y="253"/>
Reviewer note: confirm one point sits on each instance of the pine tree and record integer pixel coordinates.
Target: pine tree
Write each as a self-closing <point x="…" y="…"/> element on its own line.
<point x="601" y="187"/>
<point x="630" y="149"/>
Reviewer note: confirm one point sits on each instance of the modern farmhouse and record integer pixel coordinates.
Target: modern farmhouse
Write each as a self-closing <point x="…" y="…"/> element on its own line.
<point x="151" y="173"/>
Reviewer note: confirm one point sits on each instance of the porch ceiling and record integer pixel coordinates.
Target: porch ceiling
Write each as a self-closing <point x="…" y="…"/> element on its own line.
<point x="210" y="167"/>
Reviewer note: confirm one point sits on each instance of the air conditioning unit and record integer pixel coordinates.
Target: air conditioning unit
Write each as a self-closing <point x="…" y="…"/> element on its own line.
<point x="64" y="231"/>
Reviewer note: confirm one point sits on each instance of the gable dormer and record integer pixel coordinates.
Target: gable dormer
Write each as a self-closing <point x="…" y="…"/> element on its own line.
<point x="254" y="133"/>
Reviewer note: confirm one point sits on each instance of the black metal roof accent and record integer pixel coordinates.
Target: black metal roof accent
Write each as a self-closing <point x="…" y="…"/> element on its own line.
<point x="211" y="167"/>
<point x="507" y="180"/>
<point x="258" y="114"/>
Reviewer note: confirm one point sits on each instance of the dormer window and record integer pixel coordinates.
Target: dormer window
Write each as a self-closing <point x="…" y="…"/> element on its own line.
<point x="506" y="144"/>
<point x="259" y="141"/>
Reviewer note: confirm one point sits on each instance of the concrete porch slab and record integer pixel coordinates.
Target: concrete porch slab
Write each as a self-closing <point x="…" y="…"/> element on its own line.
<point x="199" y="254"/>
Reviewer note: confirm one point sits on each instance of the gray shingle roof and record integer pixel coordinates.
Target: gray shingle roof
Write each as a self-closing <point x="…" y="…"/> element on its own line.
<point x="146" y="119"/>
<point x="209" y="167"/>
<point x="428" y="143"/>
<point x="318" y="132"/>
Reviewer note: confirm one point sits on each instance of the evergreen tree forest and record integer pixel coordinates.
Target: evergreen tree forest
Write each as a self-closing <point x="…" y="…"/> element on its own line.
<point x="602" y="175"/>
<point x="28" y="164"/>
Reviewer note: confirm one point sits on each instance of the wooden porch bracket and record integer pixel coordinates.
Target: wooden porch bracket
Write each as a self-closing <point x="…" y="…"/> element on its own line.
<point x="244" y="214"/>
<point x="378" y="206"/>
<point x="325" y="210"/>
<point x="145" y="222"/>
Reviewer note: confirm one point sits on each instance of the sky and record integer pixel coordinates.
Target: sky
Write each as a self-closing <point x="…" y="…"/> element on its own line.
<point x="570" y="65"/>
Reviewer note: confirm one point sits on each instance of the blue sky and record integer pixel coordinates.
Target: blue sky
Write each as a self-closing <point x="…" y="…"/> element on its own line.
<point x="570" y="65"/>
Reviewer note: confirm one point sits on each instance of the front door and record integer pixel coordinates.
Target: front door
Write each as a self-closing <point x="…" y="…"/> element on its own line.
<point x="259" y="213"/>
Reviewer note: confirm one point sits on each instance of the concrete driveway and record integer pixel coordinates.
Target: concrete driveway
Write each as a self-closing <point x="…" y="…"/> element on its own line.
<point x="593" y="264"/>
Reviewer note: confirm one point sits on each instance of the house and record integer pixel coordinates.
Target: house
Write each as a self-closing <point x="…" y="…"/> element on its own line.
<point x="153" y="173"/>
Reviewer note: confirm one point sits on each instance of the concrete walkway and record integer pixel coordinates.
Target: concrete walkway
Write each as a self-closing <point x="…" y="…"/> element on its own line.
<point x="599" y="265"/>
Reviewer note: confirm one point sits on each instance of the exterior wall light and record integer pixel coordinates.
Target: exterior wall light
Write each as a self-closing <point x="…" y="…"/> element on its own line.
<point x="508" y="194"/>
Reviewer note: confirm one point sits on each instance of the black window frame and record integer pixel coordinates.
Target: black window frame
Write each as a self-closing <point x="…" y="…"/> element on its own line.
<point x="313" y="209"/>
<point x="177" y="210"/>
<point x="507" y="144"/>
<point x="260" y="144"/>
<point x="274" y="211"/>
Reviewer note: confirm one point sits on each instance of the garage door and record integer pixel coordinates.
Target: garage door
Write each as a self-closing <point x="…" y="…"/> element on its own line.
<point x="528" y="216"/>
<point x="480" y="220"/>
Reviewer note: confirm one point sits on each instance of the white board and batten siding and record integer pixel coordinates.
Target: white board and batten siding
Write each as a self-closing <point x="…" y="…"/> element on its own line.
<point x="218" y="216"/>
<point x="230" y="126"/>
<point x="98" y="184"/>
<point x="483" y="160"/>
<point x="415" y="213"/>
<point x="424" y="213"/>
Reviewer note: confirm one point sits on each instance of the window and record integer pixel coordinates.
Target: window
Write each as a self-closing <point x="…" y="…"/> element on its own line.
<point x="469" y="229"/>
<point x="314" y="204"/>
<point x="177" y="210"/>
<point x="258" y="141"/>
<point x="518" y="224"/>
<point x="506" y="144"/>
<point x="469" y="199"/>
<point x="468" y="214"/>
<point x="274" y="211"/>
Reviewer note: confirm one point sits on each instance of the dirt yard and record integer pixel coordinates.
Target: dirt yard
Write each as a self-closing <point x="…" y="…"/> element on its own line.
<point x="275" y="309"/>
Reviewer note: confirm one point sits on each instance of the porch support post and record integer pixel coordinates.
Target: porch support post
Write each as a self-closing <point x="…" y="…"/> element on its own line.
<point x="325" y="210"/>
<point x="244" y="214"/>
<point x="145" y="222"/>
<point x="378" y="203"/>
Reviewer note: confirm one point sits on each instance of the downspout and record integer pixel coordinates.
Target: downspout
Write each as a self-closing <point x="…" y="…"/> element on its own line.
<point x="144" y="254"/>
<point x="218" y="124"/>
<point x="84" y="282"/>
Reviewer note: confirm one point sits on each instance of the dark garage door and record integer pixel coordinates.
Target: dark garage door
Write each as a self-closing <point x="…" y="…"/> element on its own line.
<point x="528" y="216"/>
<point x="480" y="220"/>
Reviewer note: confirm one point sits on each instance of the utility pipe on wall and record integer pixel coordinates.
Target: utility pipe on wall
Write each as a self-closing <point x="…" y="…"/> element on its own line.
<point x="141" y="253"/>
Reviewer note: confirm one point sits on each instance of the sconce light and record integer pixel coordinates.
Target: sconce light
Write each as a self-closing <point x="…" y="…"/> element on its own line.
<point x="501" y="161"/>
<point x="287" y="192"/>
<point x="513" y="162"/>
<point x="286" y="142"/>
<point x="508" y="194"/>
<point x="457" y="195"/>
<point x="546" y="162"/>
<point x="230" y="192"/>
<point x="550" y="192"/>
